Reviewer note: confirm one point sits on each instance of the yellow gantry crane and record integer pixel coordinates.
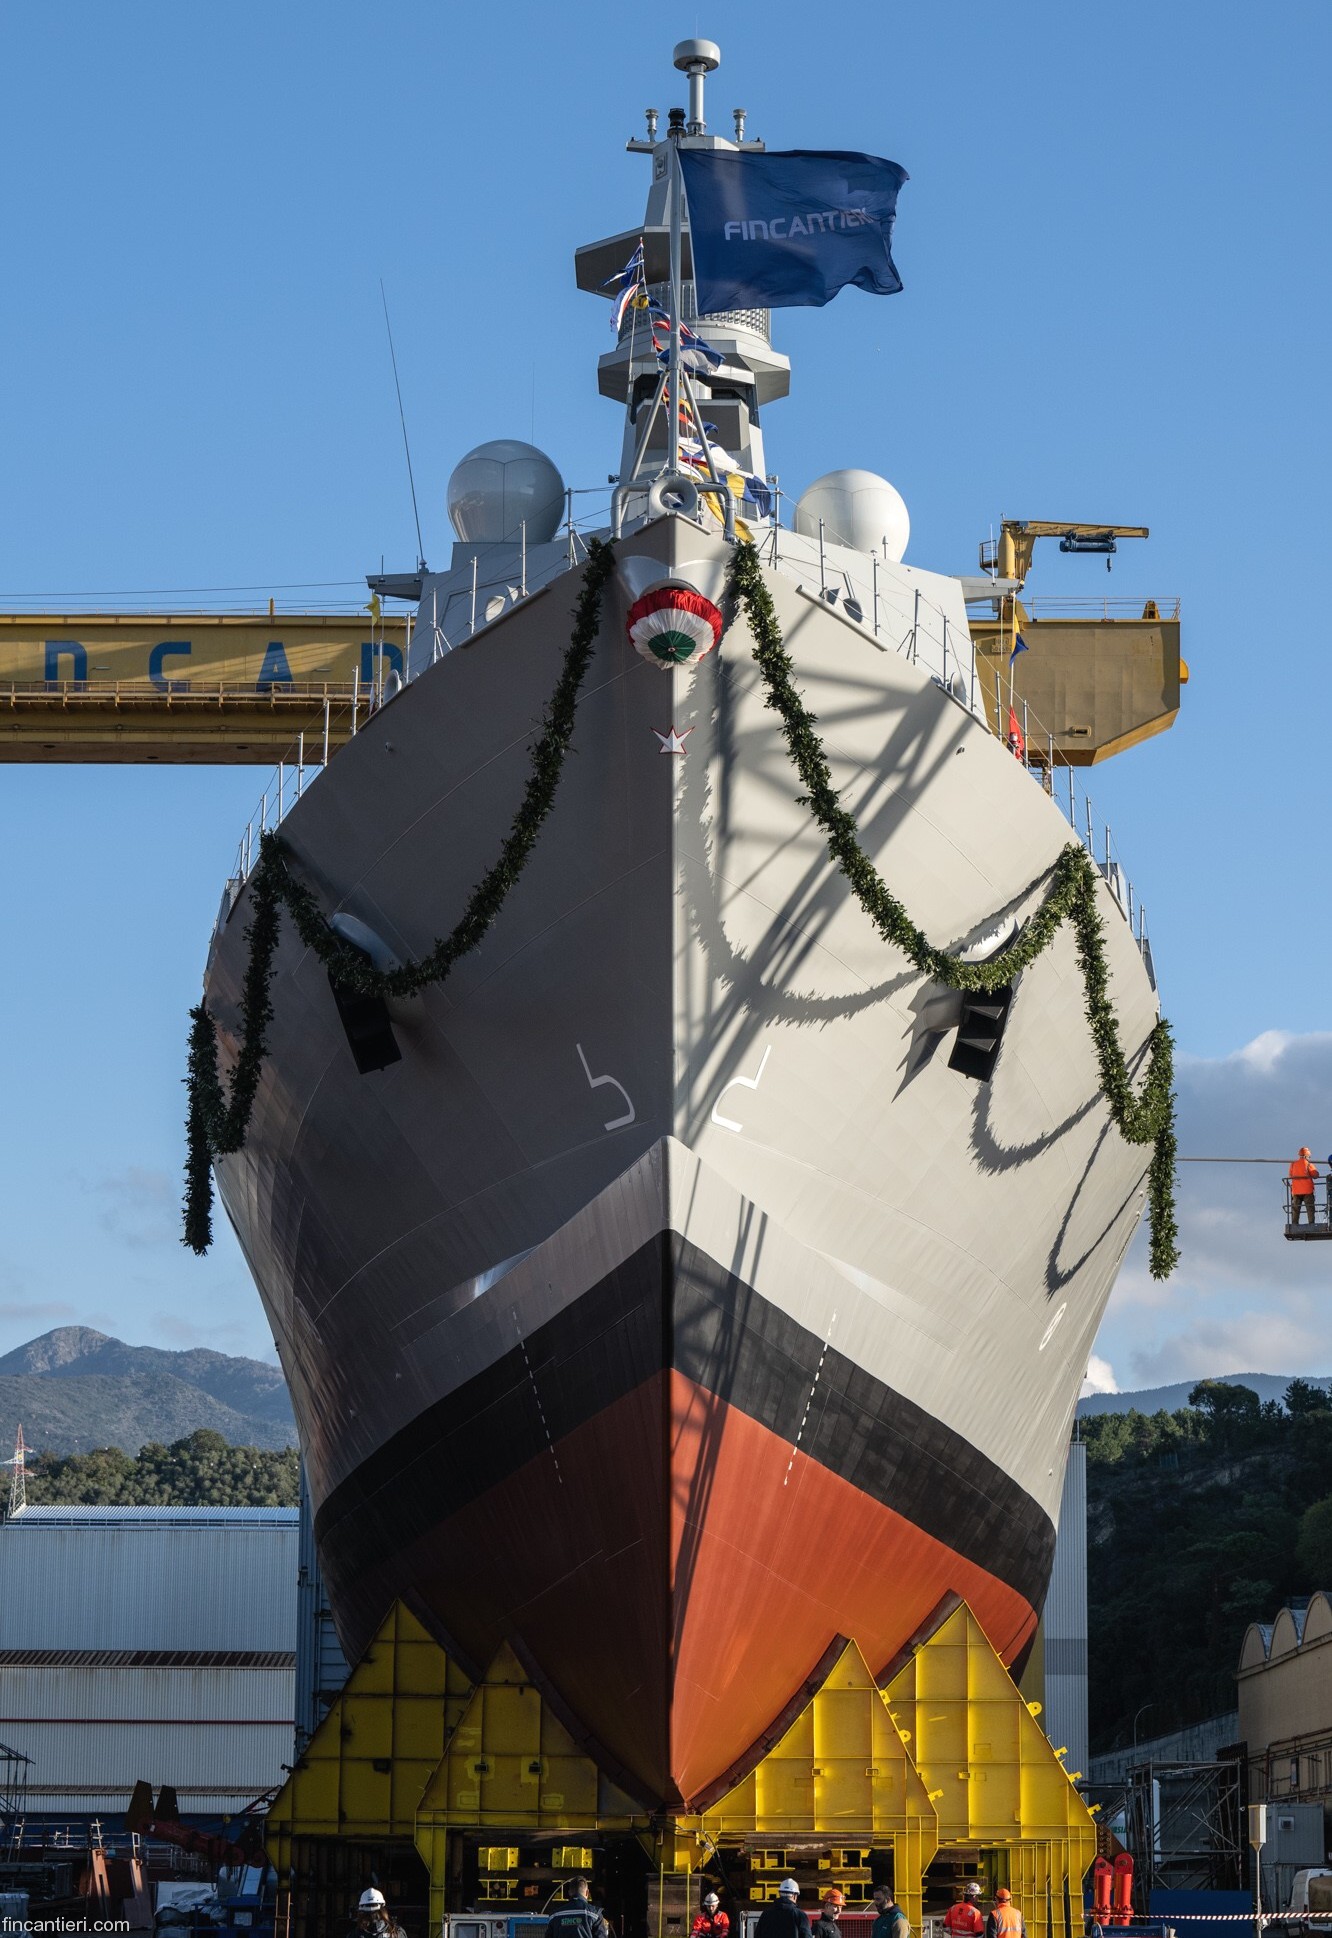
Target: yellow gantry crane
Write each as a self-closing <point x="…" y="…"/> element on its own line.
<point x="214" y="688"/>
<point x="1009" y="556"/>
<point x="1073" y="687"/>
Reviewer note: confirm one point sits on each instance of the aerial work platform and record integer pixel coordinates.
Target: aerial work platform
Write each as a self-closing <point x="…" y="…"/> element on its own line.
<point x="476" y="1800"/>
<point x="1321" y="1203"/>
<point x="207" y="688"/>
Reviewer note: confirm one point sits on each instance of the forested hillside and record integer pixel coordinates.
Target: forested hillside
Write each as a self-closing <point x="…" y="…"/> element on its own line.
<point x="201" y="1470"/>
<point x="1200" y="1521"/>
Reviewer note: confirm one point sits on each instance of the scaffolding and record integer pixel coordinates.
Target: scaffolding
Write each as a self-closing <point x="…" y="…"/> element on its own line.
<point x="14" y="1769"/>
<point x="1183" y="1823"/>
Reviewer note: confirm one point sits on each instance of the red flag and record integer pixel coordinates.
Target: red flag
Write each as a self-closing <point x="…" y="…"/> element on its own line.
<point x="1017" y="745"/>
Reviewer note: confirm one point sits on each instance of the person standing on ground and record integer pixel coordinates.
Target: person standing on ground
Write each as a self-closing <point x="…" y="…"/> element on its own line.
<point x="1302" y="1179"/>
<point x="963" y="1919"/>
<point x="373" y="1917"/>
<point x="577" y="1917"/>
<point x="783" y="1918"/>
<point x="825" y="1925"/>
<point x="711" y="1921"/>
<point x="1005" y="1921"/>
<point x="892" y="1921"/>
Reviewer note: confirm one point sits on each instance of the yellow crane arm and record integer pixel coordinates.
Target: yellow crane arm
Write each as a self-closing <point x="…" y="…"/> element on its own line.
<point x="1011" y="556"/>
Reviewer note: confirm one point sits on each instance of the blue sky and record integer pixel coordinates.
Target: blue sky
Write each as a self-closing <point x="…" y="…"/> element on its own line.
<point x="1117" y="291"/>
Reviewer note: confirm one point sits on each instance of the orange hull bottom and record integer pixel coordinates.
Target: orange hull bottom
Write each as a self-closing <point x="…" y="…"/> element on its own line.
<point x="673" y="1571"/>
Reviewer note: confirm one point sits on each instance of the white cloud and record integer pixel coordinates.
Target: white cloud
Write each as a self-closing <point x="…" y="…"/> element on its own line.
<point x="1100" y="1377"/>
<point x="1244" y="1299"/>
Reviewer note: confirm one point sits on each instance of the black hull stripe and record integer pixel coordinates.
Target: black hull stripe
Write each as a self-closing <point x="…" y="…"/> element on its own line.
<point x="730" y="1342"/>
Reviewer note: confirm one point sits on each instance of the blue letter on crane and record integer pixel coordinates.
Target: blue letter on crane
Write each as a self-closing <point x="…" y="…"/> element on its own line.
<point x="164" y="650"/>
<point x="391" y="656"/>
<point x="58" y="649"/>
<point x="275" y="670"/>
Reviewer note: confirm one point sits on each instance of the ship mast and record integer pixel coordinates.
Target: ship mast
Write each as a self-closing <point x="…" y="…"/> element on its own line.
<point x="750" y="373"/>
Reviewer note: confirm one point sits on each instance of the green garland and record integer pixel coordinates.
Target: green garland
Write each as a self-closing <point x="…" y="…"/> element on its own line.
<point x="216" y="1126"/>
<point x="1146" y="1119"/>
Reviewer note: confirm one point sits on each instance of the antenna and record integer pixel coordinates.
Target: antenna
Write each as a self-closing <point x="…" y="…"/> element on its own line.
<point x="18" y="1489"/>
<point x="402" y="419"/>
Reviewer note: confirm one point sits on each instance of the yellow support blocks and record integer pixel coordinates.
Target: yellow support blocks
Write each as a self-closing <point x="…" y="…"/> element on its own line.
<point x="948" y="1756"/>
<point x="991" y="1773"/>
<point x="841" y="1771"/>
<point x="363" y="1770"/>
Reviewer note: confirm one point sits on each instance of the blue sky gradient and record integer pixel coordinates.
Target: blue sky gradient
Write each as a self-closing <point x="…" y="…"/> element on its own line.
<point x="1117" y="290"/>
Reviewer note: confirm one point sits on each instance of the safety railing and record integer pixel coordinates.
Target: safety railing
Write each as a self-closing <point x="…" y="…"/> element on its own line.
<point x="195" y="692"/>
<point x="1309" y="1215"/>
<point x="1055" y="606"/>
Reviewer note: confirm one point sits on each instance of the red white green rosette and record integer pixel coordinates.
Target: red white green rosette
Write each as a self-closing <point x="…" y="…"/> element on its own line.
<point x="674" y="626"/>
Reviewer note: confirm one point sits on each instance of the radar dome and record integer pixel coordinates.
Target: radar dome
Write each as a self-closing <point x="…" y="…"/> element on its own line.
<point x="500" y="486"/>
<point x="859" y="509"/>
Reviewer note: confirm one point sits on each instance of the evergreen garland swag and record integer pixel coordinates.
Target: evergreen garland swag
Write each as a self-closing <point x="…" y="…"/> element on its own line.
<point x="215" y="1126"/>
<point x="1145" y="1119"/>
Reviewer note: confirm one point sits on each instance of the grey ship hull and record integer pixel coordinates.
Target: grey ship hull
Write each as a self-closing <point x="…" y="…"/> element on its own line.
<point x="672" y="1308"/>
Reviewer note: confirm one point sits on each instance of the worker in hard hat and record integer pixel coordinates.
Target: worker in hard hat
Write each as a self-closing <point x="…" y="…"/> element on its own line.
<point x="711" y="1921"/>
<point x="783" y="1918"/>
<point x="577" y="1917"/>
<point x="1303" y="1176"/>
<point x="891" y="1920"/>
<point x="373" y="1917"/>
<point x="1005" y="1921"/>
<point x="825" y="1925"/>
<point x="963" y="1919"/>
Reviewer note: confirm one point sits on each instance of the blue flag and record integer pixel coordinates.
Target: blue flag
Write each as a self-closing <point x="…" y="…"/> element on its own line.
<point x="776" y="231"/>
<point x="1019" y="646"/>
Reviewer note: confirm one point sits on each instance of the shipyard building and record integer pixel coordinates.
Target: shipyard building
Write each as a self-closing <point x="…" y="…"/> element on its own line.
<point x="155" y="1643"/>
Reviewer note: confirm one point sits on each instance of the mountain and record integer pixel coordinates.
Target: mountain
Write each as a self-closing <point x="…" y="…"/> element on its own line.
<point x="75" y="1389"/>
<point x="1156" y="1399"/>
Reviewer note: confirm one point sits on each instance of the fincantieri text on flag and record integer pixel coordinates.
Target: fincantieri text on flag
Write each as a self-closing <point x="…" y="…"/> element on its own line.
<point x="789" y="229"/>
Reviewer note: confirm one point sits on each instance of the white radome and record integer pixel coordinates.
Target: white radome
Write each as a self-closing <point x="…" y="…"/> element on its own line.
<point x="859" y="509"/>
<point x="499" y="487"/>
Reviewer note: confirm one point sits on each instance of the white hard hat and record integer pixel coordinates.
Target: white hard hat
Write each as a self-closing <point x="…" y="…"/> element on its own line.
<point x="371" y="1900"/>
<point x="712" y="1900"/>
<point x="788" y="1888"/>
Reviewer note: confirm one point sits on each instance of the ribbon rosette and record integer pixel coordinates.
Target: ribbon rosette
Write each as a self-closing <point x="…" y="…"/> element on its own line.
<point x="674" y="626"/>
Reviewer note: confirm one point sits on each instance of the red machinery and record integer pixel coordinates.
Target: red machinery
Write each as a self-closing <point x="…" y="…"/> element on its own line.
<point x="163" y="1822"/>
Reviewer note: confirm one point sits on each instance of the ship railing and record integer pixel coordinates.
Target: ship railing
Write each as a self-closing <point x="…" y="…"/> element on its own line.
<point x="333" y="599"/>
<point x="1055" y="606"/>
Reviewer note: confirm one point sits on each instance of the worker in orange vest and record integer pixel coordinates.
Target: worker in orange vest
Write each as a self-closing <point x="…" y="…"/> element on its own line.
<point x="1005" y="1921"/>
<point x="1302" y="1176"/>
<point x="711" y="1921"/>
<point x="963" y="1919"/>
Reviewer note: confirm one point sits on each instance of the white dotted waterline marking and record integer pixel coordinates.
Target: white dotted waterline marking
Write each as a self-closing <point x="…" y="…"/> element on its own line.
<point x="804" y="1418"/>
<point x="536" y="1395"/>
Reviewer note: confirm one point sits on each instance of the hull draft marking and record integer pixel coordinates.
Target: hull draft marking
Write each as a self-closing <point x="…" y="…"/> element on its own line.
<point x="813" y="1389"/>
<point x="1050" y="1330"/>
<point x="536" y="1394"/>
<point x="597" y="1083"/>
<point x="740" y="1083"/>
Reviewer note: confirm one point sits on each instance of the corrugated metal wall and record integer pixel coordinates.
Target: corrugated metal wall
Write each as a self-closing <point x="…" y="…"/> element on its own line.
<point x="99" y="1582"/>
<point x="220" y="1736"/>
<point x="115" y="1580"/>
<point x="1065" y="1620"/>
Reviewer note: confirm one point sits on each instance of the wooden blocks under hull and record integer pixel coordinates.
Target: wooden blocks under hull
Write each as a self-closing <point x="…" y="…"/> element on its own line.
<point x="942" y="1756"/>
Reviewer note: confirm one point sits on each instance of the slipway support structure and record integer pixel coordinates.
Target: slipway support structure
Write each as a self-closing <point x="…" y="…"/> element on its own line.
<point x="451" y="1793"/>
